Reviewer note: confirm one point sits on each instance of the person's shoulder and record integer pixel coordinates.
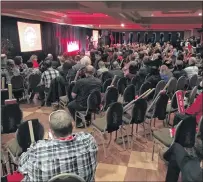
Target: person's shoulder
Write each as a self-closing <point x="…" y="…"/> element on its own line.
<point x="84" y="136"/>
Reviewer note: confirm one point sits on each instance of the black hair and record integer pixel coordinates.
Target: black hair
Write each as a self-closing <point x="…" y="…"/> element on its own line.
<point x="18" y="60"/>
<point x="29" y="64"/>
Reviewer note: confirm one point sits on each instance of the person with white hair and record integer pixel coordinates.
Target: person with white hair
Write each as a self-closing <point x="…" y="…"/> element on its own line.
<point x="192" y="69"/>
<point x="63" y="152"/>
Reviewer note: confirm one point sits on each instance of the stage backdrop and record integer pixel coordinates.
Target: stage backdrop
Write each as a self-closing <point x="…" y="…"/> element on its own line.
<point x="54" y="37"/>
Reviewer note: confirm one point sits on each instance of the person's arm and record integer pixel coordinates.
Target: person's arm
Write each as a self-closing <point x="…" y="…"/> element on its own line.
<point x="42" y="80"/>
<point x="75" y="90"/>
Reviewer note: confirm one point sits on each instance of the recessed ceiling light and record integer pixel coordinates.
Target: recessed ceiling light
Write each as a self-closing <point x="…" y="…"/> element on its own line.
<point x="122" y="25"/>
<point x="200" y="14"/>
<point x="152" y="14"/>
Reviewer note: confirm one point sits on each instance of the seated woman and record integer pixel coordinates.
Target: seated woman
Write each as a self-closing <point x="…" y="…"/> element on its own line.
<point x="20" y="65"/>
<point x="165" y="73"/>
<point x="33" y="58"/>
<point x="178" y="70"/>
<point x="192" y="69"/>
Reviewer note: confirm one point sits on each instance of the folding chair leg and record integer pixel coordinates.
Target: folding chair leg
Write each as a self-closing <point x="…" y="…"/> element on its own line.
<point x="144" y="131"/>
<point x="103" y="144"/>
<point x="154" y="143"/>
<point x="121" y="130"/>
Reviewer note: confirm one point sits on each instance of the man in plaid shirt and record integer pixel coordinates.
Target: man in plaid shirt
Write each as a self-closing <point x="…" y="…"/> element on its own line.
<point x="64" y="153"/>
<point x="46" y="78"/>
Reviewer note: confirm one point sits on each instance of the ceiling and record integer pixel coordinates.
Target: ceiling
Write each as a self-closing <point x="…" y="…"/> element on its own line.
<point x="132" y="15"/>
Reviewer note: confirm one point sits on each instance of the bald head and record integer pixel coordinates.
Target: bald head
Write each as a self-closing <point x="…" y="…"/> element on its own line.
<point x="89" y="70"/>
<point x="60" y="123"/>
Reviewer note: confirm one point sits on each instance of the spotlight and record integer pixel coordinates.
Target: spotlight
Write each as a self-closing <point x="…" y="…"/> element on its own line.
<point x="200" y="14"/>
<point x="152" y="14"/>
<point x="122" y="25"/>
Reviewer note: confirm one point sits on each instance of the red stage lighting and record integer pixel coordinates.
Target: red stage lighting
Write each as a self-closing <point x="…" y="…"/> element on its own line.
<point x="73" y="46"/>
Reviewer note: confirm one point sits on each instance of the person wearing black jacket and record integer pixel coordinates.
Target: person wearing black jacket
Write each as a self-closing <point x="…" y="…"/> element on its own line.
<point x="178" y="70"/>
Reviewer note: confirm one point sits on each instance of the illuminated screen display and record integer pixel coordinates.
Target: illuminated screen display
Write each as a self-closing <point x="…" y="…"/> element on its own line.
<point x="72" y="46"/>
<point x="30" y="36"/>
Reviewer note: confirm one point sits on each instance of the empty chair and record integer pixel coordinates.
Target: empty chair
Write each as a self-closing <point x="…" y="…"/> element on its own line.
<point x="160" y="86"/>
<point x="33" y="81"/>
<point x="67" y="177"/>
<point x="110" y="96"/>
<point x="181" y="83"/>
<point x="157" y="109"/>
<point x="145" y="86"/>
<point x="106" y="84"/>
<point x="184" y="135"/>
<point x="93" y="106"/>
<point x="18" y="87"/>
<point x="129" y="93"/>
<point x="28" y="132"/>
<point x="11" y="117"/>
<point x="172" y="83"/>
<point x="193" y="81"/>
<point x="137" y="115"/>
<point x="192" y="96"/>
<point x="121" y="85"/>
<point x="112" y="121"/>
<point x="105" y="75"/>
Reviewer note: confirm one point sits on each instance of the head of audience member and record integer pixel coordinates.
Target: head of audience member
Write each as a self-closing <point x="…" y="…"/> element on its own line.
<point x="192" y="61"/>
<point x="61" y="59"/>
<point x="29" y="64"/>
<point x="50" y="57"/>
<point x="101" y="64"/>
<point x="179" y="65"/>
<point x="47" y="64"/>
<point x="146" y="60"/>
<point x="133" y="68"/>
<point x="141" y="55"/>
<point x="10" y="64"/>
<point x="164" y="70"/>
<point x="89" y="71"/>
<point x="18" y="60"/>
<point x="85" y="61"/>
<point x="67" y="66"/>
<point x="115" y="65"/>
<point x="82" y="53"/>
<point x="33" y="57"/>
<point x="77" y="58"/>
<point x="60" y="123"/>
<point x="54" y="64"/>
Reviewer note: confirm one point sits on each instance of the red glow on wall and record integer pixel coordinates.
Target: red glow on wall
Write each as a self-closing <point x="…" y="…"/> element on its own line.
<point x="73" y="46"/>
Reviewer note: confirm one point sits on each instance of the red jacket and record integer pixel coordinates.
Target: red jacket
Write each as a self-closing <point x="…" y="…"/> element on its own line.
<point x="35" y="64"/>
<point x="196" y="107"/>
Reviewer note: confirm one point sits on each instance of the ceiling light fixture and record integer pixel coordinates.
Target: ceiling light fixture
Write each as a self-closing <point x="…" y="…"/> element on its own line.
<point x="200" y="14"/>
<point x="122" y="25"/>
<point x="152" y="14"/>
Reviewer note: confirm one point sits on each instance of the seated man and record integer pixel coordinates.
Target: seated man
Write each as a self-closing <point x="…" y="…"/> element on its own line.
<point x="64" y="153"/>
<point x="46" y="78"/>
<point x="116" y="71"/>
<point x="81" y="91"/>
<point x="102" y="68"/>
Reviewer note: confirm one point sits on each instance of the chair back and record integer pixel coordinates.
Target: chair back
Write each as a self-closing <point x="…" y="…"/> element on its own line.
<point x="186" y="131"/>
<point x="181" y="83"/>
<point x="139" y="111"/>
<point x="160" y="86"/>
<point x="111" y="96"/>
<point x="11" y="117"/>
<point x="24" y="137"/>
<point x="160" y="106"/>
<point x="94" y="101"/>
<point x="121" y="85"/>
<point x="133" y="81"/>
<point x="192" y="95"/>
<point x="17" y="82"/>
<point x="193" y="81"/>
<point x="34" y="80"/>
<point x="66" y="177"/>
<point x="129" y="93"/>
<point x="172" y="85"/>
<point x="144" y="87"/>
<point x="105" y="75"/>
<point x="200" y="128"/>
<point x="106" y="84"/>
<point x="114" y="117"/>
<point x="69" y="91"/>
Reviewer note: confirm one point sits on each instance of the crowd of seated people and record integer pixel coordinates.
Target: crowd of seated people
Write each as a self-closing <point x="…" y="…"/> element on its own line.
<point x="143" y="62"/>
